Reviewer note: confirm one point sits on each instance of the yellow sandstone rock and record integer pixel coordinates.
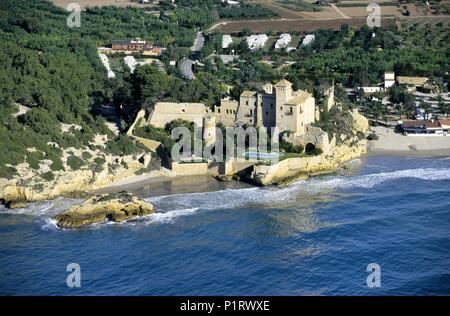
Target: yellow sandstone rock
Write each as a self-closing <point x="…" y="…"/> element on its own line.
<point x="115" y="207"/>
<point x="292" y="169"/>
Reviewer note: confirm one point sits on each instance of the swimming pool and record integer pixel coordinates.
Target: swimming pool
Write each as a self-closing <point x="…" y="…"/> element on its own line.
<point x="262" y="155"/>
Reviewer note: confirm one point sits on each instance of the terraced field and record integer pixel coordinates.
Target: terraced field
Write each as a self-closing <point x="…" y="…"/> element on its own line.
<point x="424" y="21"/>
<point x="298" y="25"/>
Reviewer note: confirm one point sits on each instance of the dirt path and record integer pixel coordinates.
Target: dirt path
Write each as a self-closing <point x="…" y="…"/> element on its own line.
<point x="284" y="13"/>
<point x="339" y="11"/>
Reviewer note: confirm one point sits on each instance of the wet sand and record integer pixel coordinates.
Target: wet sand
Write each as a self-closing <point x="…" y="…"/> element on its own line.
<point x="157" y="186"/>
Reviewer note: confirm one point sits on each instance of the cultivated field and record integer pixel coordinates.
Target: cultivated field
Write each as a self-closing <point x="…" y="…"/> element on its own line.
<point x="332" y="17"/>
<point x="424" y="21"/>
<point x="301" y="26"/>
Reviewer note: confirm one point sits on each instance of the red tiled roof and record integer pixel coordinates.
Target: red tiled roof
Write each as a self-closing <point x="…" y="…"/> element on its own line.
<point x="427" y="124"/>
<point x="444" y="122"/>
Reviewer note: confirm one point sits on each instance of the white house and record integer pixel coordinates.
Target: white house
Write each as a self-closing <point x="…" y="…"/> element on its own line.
<point x="308" y="39"/>
<point x="283" y="41"/>
<point x="226" y="41"/>
<point x="255" y="42"/>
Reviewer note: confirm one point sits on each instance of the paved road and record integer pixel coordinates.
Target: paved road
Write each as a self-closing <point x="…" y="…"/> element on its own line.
<point x="186" y="65"/>
<point x="198" y="42"/>
<point x="186" y="69"/>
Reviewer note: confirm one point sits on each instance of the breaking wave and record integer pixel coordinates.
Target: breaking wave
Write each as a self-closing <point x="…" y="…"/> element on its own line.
<point x="176" y="205"/>
<point x="271" y="196"/>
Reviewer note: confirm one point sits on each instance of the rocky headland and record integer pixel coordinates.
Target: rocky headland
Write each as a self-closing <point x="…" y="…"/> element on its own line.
<point x="116" y="207"/>
<point x="342" y="148"/>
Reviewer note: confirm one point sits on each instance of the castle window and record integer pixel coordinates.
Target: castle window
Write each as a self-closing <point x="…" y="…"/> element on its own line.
<point x="271" y="105"/>
<point x="251" y="112"/>
<point x="218" y="110"/>
<point x="246" y="102"/>
<point x="267" y="113"/>
<point x="183" y="110"/>
<point x="290" y="110"/>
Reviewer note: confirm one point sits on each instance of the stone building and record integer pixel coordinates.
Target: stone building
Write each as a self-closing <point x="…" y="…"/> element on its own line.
<point x="162" y="113"/>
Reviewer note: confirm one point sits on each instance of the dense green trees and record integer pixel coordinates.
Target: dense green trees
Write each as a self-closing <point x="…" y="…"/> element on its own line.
<point x="149" y="85"/>
<point x="55" y="72"/>
<point x="360" y="57"/>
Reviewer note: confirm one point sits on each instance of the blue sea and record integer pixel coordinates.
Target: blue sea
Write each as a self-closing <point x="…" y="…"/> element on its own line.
<point x="314" y="237"/>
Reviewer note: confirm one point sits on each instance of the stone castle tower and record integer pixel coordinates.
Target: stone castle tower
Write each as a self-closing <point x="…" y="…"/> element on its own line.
<point x="283" y="92"/>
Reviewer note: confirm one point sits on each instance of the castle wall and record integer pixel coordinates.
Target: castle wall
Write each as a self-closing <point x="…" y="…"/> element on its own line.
<point x="268" y="104"/>
<point x="247" y="109"/>
<point x="226" y="112"/>
<point x="189" y="168"/>
<point x="308" y="114"/>
<point x="166" y="112"/>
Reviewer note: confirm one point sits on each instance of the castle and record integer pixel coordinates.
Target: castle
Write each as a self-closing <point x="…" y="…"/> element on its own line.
<point x="274" y="106"/>
<point x="277" y="106"/>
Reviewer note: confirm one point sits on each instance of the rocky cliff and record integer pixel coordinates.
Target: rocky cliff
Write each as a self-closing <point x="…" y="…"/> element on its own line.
<point x="29" y="187"/>
<point x="342" y="148"/>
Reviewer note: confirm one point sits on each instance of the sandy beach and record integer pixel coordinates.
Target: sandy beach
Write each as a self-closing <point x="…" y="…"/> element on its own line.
<point x="391" y="143"/>
<point x="150" y="185"/>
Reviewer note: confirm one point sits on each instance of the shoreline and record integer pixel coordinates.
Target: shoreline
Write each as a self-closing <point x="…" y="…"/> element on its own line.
<point x="390" y="143"/>
<point x="169" y="185"/>
<point x="165" y="183"/>
<point x="438" y="153"/>
<point x="147" y="185"/>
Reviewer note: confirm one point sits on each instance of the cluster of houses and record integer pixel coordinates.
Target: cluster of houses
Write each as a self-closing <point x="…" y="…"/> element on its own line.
<point x="259" y="41"/>
<point x="422" y="84"/>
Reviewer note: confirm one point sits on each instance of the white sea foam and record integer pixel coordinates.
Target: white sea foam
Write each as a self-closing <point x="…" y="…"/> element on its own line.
<point x="169" y="217"/>
<point x="176" y="205"/>
<point x="272" y="196"/>
<point x="51" y="208"/>
<point x="50" y="224"/>
<point x="38" y="208"/>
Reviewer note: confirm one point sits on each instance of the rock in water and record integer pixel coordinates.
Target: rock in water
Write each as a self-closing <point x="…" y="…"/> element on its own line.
<point x="115" y="207"/>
